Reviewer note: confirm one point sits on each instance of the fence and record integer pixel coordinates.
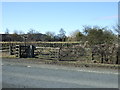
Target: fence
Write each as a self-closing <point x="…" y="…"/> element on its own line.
<point x="47" y="53"/>
<point x="67" y="51"/>
<point x="24" y="51"/>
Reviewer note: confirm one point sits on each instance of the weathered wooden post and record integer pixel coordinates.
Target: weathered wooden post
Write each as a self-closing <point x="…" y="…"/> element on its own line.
<point x="18" y="51"/>
<point x="10" y="50"/>
<point x="31" y="51"/>
<point x="59" y="51"/>
<point x="57" y="54"/>
<point x="118" y="56"/>
<point x="92" y="54"/>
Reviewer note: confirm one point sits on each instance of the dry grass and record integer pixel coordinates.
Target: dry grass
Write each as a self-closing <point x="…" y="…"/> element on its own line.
<point x="6" y="55"/>
<point x="66" y="63"/>
<point x="35" y="42"/>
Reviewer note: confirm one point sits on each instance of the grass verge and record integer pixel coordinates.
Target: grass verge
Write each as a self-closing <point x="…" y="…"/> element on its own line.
<point x="68" y="63"/>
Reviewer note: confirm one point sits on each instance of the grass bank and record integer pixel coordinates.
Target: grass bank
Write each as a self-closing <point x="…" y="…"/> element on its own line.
<point x="67" y="63"/>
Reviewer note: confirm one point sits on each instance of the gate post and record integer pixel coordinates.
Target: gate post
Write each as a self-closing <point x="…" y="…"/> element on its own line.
<point x="18" y="51"/>
<point x="31" y="51"/>
<point x="10" y="50"/>
<point x="59" y="54"/>
<point x="117" y="56"/>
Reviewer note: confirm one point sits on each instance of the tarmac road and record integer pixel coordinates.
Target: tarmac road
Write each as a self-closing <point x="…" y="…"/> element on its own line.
<point x="31" y="75"/>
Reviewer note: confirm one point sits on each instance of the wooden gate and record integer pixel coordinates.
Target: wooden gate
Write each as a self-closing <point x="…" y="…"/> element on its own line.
<point x="25" y="51"/>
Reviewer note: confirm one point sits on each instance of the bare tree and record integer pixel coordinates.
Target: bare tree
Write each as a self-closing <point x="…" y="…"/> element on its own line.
<point x="21" y="32"/>
<point x="117" y="28"/>
<point x="7" y="31"/>
<point x="62" y="35"/>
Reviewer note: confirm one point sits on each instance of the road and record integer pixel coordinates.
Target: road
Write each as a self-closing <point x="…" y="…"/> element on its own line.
<point x="31" y="75"/>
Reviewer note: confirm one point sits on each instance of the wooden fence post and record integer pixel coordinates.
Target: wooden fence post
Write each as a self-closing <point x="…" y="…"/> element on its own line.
<point x="18" y="51"/>
<point x="10" y="50"/>
<point x="118" y="56"/>
<point x="31" y="51"/>
<point x="59" y="52"/>
<point x="92" y="55"/>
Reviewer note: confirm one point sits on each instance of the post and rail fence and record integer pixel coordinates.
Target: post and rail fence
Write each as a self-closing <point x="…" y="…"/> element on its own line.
<point x="62" y="51"/>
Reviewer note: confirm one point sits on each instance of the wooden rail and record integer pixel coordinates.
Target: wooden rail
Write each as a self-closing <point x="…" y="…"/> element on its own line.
<point x="67" y="51"/>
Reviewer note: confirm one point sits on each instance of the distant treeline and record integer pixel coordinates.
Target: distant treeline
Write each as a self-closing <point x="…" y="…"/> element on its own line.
<point x="94" y="35"/>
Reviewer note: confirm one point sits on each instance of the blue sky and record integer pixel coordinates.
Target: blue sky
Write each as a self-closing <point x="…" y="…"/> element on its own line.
<point x="51" y="16"/>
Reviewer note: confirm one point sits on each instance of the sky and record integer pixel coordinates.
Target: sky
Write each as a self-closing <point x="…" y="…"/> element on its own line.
<point x="52" y="16"/>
